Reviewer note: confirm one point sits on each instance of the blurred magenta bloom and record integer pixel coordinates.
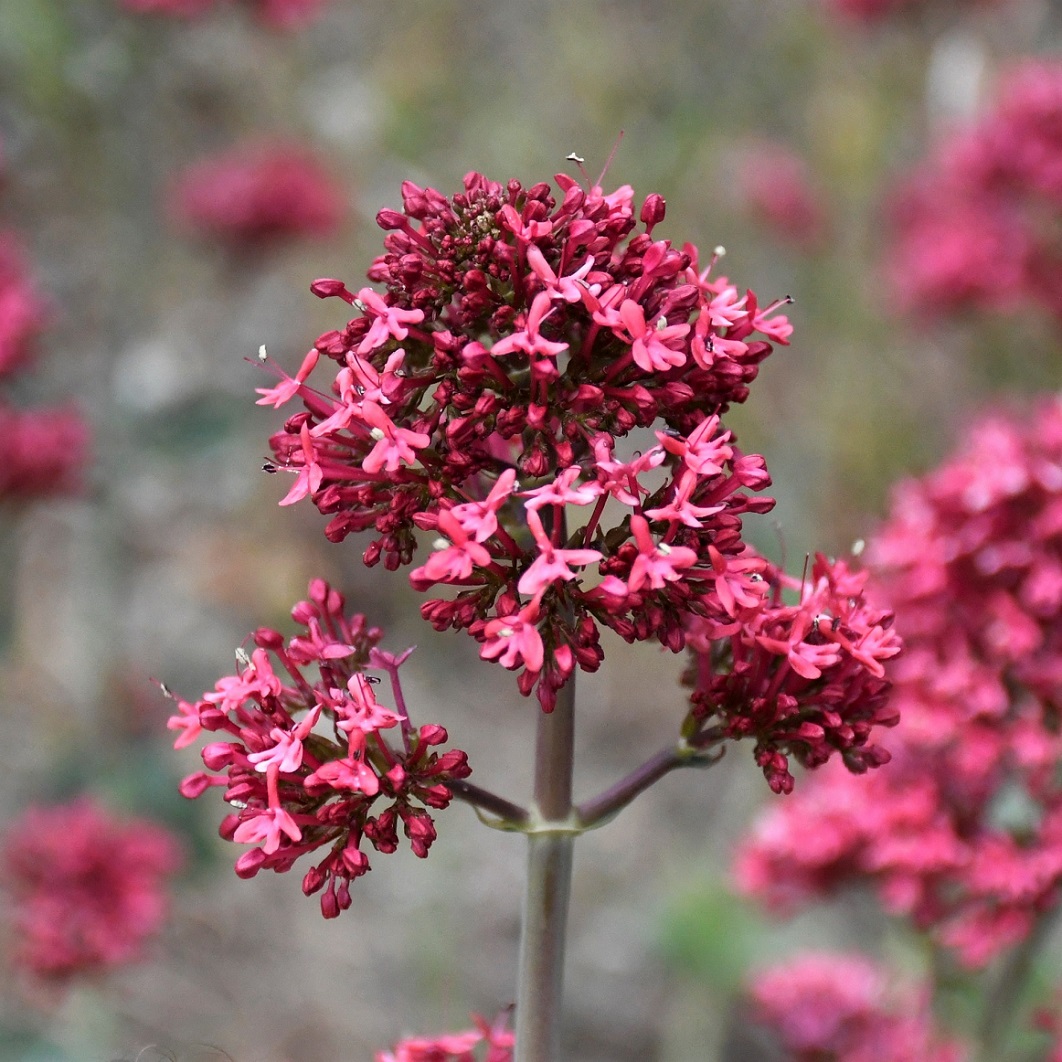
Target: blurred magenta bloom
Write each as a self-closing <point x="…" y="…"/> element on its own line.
<point x="962" y="832"/>
<point x="259" y="194"/>
<point x="87" y="889"/>
<point x="777" y="189"/>
<point x="979" y="225"/>
<point x="826" y="1007"/>
<point x="43" y="452"/>
<point x="277" y="14"/>
<point x="497" y="1040"/>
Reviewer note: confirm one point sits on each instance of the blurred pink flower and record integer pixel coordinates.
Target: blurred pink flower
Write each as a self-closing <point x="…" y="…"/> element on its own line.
<point x="777" y="189"/>
<point x="873" y="11"/>
<point x="962" y="832"/>
<point x="23" y="311"/>
<point x="278" y="14"/>
<point x="42" y="451"/>
<point x="259" y="194"/>
<point x="457" y="1047"/>
<point x="842" y="1008"/>
<point x="87" y="889"/>
<point x="979" y="225"/>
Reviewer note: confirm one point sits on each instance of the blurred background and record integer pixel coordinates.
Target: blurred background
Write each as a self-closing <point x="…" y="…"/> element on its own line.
<point x="175" y="548"/>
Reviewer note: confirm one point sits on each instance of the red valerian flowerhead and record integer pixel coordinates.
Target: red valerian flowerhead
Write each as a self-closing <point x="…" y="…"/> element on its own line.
<point x="42" y="451"/>
<point x="306" y="762"/>
<point x="804" y="679"/>
<point x="963" y="832"/>
<point x="485" y="396"/>
<point x="259" y="194"/>
<point x="87" y="889"/>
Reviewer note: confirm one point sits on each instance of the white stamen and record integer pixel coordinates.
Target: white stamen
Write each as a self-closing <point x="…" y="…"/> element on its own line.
<point x="857" y="547"/>
<point x="575" y="158"/>
<point x="241" y="657"/>
<point x="719" y="251"/>
<point x="263" y="354"/>
<point x="441" y="543"/>
<point x="378" y="434"/>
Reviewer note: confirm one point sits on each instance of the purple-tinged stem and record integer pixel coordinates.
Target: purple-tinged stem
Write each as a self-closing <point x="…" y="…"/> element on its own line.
<point x="597" y="811"/>
<point x="549" y="871"/>
<point x="508" y="814"/>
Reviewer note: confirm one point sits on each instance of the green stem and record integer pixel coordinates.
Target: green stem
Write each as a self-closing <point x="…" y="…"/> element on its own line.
<point x="549" y="870"/>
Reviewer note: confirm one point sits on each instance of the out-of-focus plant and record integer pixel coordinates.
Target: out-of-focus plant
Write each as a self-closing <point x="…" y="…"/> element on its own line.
<point x="962" y="835"/>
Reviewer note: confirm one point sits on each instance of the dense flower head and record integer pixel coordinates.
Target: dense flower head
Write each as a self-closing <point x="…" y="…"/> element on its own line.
<point x="485" y="395"/>
<point x="42" y="451"/>
<point x="260" y="193"/>
<point x="978" y="225"/>
<point x="304" y="758"/>
<point x="803" y="680"/>
<point x="87" y="889"/>
<point x="277" y="14"/>
<point x="962" y="832"/>
<point x="23" y="311"/>
<point x="487" y="1042"/>
<point x="825" y="1007"/>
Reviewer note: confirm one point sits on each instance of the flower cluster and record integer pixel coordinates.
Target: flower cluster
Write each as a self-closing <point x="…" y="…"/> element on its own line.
<point x="978" y="226"/>
<point x="306" y="762"/>
<point x="87" y="890"/>
<point x="484" y="397"/>
<point x="963" y="832"/>
<point x="803" y="679"/>
<point x="41" y="450"/>
<point x="457" y="1047"/>
<point x="258" y="194"/>
<point x="277" y="14"/>
<point x="841" y="1008"/>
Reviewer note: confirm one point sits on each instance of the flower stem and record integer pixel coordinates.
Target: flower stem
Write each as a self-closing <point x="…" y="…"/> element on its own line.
<point x="549" y="869"/>
<point x="508" y="814"/>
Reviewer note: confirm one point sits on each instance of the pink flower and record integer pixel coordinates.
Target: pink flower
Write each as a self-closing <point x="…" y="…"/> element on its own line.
<point x="388" y="322"/>
<point x="514" y="640"/>
<point x="258" y="194"/>
<point x="23" y="312"/>
<point x="86" y="890"/>
<point x="457" y="1047"/>
<point x="394" y="445"/>
<point x="480" y="519"/>
<point x="551" y="565"/>
<point x="530" y="340"/>
<point x="656" y="564"/>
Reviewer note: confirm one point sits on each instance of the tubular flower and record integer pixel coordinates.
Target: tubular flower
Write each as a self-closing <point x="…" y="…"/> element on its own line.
<point x="976" y="227"/>
<point x="963" y="833"/>
<point x="518" y="337"/>
<point x="842" y="1008"/>
<point x="87" y="890"/>
<point x="305" y="762"/>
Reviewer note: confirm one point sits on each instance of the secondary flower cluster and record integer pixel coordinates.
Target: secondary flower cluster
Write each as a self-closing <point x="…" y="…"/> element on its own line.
<point x="258" y="194"/>
<point x="306" y="762"/>
<point x="457" y="1047"/>
<point x="963" y="832"/>
<point x="803" y="679"/>
<point x="87" y="890"/>
<point x="977" y="227"/>
<point x="277" y="14"/>
<point x="41" y="450"/>
<point x="841" y="1008"/>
